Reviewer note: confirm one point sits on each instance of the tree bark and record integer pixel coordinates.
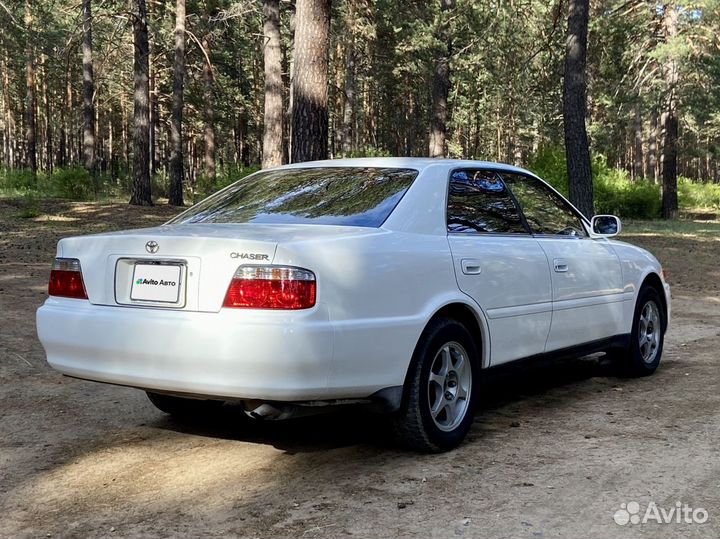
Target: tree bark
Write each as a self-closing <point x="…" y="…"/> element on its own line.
<point x="141" y="195"/>
<point x="31" y="99"/>
<point x="176" y="135"/>
<point x="441" y="85"/>
<point x="670" y="120"/>
<point x="272" y="148"/>
<point x="88" y="90"/>
<point x="652" y="147"/>
<point x="638" y="160"/>
<point x="48" y="125"/>
<point x="209" y="84"/>
<point x="577" y="150"/>
<point x="310" y="81"/>
<point x="348" y="121"/>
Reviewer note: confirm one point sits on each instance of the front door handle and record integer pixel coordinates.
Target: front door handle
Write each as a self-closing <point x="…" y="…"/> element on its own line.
<point x="470" y="266"/>
<point x="560" y="265"/>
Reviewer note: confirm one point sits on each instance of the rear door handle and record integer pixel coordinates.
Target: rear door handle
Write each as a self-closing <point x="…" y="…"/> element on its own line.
<point x="560" y="265"/>
<point x="470" y="266"/>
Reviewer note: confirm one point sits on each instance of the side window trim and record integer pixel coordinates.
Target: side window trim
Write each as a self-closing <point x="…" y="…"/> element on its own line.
<point x="528" y="231"/>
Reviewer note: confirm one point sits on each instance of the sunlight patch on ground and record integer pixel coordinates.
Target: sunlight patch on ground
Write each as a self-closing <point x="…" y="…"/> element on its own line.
<point x="54" y="218"/>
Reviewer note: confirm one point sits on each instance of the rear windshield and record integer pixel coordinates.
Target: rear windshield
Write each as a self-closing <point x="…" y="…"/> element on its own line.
<point x="331" y="196"/>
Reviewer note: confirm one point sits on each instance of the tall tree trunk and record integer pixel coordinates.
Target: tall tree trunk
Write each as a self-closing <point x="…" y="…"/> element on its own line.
<point x="209" y="83"/>
<point x="176" y="135"/>
<point x="8" y="151"/>
<point x="441" y="85"/>
<point x="638" y="146"/>
<point x="652" y="147"/>
<point x="272" y="148"/>
<point x="141" y="195"/>
<point x="88" y="90"/>
<point x="48" y="124"/>
<point x="670" y="120"/>
<point x="577" y="150"/>
<point x="31" y="100"/>
<point x="310" y="81"/>
<point x="290" y="68"/>
<point x="350" y="101"/>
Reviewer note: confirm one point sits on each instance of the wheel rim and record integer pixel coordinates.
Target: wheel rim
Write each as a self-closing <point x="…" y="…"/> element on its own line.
<point x="649" y="330"/>
<point x="449" y="386"/>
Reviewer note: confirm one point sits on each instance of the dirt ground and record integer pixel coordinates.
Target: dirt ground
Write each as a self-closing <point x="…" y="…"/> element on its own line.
<point x="555" y="452"/>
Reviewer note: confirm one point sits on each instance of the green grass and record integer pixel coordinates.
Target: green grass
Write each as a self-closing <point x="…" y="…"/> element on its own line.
<point x="680" y="227"/>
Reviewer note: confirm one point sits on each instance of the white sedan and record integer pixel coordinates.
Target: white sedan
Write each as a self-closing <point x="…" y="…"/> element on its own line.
<point x="392" y="281"/>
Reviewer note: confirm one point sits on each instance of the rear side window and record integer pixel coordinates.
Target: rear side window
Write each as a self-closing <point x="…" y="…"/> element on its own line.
<point x="479" y="201"/>
<point x="350" y="196"/>
<point x="545" y="211"/>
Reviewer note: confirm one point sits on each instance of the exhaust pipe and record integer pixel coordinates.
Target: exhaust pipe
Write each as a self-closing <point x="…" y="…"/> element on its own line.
<point x="265" y="410"/>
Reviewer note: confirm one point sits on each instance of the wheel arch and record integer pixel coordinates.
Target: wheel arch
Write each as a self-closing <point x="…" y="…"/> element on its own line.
<point x="653" y="280"/>
<point x="475" y="322"/>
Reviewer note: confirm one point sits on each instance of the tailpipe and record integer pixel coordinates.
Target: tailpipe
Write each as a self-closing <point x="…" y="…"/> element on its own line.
<point x="268" y="411"/>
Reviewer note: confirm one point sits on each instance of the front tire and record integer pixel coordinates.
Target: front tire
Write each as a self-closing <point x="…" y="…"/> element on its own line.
<point x="647" y="336"/>
<point x="440" y="392"/>
<point x="183" y="407"/>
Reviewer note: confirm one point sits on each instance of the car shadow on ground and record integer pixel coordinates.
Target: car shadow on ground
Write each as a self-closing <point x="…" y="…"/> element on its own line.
<point x="344" y="426"/>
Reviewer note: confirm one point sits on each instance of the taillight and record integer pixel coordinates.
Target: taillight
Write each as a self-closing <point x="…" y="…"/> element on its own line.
<point x="66" y="279"/>
<point x="271" y="287"/>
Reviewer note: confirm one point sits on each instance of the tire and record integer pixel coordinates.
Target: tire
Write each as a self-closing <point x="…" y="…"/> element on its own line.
<point x="183" y="407"/>
<point x="643" y="353"/>
<point x="445" y="364"/>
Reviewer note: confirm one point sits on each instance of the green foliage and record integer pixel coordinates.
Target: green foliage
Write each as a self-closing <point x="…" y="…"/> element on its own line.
<point x="74" y="183"/>
<point x="205" y="187"/>
<point x="549" y="163"/>
<point x="20" y="180"/>
<point x="614" y="192"/>
<point x="695" y="195"/>
<point x="30" y="205"/>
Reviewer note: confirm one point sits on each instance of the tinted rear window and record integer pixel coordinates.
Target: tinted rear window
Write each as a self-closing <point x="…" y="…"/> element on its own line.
<point x="331" y="196"/>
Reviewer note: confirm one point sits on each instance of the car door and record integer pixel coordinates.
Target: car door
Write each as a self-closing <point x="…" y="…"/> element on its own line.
<point x="586" y="273"/>
<point x="499" y="263"/>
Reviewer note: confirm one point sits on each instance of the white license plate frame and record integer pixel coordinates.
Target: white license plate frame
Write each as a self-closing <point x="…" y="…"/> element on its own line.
<point x="155" y="272"/>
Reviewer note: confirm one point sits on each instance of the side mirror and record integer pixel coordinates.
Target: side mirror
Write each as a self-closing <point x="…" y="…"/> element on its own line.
<point x="605" y="226"/>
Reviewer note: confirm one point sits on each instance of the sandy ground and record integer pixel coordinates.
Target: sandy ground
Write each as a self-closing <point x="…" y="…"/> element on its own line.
<point x="555" y="452"/>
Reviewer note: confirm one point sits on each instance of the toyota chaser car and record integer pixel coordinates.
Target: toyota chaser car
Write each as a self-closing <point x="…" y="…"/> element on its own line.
<point x="391" y="281"/>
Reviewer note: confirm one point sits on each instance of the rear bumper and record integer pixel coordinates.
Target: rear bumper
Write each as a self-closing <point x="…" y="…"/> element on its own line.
<point x="266" y="355"/>
<point x="668" y="302"/>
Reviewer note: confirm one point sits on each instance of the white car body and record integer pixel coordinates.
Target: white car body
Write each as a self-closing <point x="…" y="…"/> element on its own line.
<point x="377" y="289"/>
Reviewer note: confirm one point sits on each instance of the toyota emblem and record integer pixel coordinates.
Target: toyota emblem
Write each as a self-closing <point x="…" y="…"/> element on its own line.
<point x="152" y="247"/>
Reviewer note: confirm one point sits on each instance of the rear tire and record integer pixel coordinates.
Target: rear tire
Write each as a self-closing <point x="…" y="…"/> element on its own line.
<point x="643" y="353"/>
<point x="440" y="391"/>
<point x="183" y="407"/>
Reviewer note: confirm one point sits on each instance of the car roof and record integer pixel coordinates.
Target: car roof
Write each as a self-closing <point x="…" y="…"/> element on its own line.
<point x="418" y="163"/>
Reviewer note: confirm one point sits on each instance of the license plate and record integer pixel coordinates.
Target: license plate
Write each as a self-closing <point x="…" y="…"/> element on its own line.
<point x="156" y="282"/>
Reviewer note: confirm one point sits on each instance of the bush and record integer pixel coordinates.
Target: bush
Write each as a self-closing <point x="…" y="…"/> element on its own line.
<point x="614" y="192"/>
<point x="30" y="205"/>
<point x="74" y="183"/>
<point x="18" y="179"/>
<point x="697" y="195"/>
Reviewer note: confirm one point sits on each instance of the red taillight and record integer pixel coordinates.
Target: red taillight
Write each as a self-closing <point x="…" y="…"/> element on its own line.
<point x="271" y="287"/>
<point x="66" y="279"/>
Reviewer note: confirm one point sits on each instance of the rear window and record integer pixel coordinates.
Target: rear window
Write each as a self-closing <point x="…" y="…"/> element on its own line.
<point x="350" y="196"/>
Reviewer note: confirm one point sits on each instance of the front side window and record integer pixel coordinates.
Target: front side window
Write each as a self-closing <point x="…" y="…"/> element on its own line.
<point x="479" y="201"/>
<point x="349" y="196"/>
<point x="545" y="211"/>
